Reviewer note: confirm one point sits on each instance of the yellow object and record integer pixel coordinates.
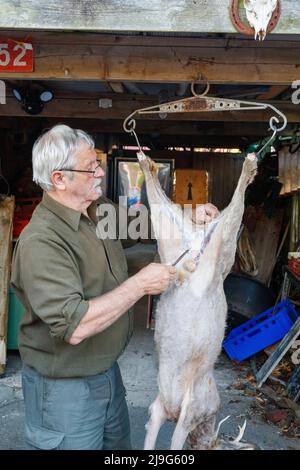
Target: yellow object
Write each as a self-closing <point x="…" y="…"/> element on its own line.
<point x="191" y="187"/>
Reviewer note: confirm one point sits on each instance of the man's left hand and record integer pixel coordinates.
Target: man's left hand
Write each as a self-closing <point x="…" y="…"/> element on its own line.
<point x="205" y="213"/>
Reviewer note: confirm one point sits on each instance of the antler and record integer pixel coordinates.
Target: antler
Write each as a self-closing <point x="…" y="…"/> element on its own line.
<point x="241" y="432"/>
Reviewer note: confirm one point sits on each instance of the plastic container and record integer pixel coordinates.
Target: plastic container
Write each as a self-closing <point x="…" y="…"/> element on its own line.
<point x="294" y="266"/>
<point x="15" y="313"/>
<point x="261" y="331"/>
<point x="19" y="225"/>
<point x="25" y="206"/>
<point x="23" y="211"/>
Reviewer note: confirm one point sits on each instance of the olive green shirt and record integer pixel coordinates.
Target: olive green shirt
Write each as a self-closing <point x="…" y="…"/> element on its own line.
<point x="59" y="264"/>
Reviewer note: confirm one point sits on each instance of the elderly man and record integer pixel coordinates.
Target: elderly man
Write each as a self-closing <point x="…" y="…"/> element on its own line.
<point x="77" y="296"/>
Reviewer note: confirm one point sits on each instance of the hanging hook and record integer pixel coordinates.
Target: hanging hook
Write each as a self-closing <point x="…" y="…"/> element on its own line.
<point x="273" y="126"/>
<point x="205" y="91"/>
<point x="268" y="142"/>
<point x="129" y="125"/>
<point x="275" y="119"/>
<point x="137" y="140"/>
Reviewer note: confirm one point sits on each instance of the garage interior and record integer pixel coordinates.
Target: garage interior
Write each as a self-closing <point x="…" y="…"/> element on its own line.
<point x="155" y="69"/>
<point x="96" y="81"/>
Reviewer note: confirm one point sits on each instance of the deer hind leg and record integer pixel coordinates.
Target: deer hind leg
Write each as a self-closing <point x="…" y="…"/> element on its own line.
<point x="158" y="416"/>
<point x="184" y="423"/>
<point x="203" y="436"/>
<point x="197" y="417"/>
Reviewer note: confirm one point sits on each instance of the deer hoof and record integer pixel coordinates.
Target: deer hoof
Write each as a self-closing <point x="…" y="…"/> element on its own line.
<point x="189" y="265"/>
<point x="181" y="276"/>
<point x="250" y="167"/>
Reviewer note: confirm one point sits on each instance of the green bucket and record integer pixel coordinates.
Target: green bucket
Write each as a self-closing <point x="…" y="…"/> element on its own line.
<point x="15" y="313"/>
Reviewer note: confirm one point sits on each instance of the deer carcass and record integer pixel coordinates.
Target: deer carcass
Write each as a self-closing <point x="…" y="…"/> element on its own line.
<point x="191" y="314"/>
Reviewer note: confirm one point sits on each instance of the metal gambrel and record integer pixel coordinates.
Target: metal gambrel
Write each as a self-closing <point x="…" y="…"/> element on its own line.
<point x="202" y="103"/>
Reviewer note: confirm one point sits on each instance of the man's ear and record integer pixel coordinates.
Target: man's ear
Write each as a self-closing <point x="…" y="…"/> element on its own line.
<point x="58" y="180"/>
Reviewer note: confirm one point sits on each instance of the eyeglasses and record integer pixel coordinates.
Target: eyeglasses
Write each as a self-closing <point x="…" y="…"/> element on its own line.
<point x="83" y="171"/>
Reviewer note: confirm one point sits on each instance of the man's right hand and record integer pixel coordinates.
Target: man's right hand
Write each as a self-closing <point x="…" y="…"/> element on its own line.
<point x="155" y="278"/>
<point x="105" y="309"/>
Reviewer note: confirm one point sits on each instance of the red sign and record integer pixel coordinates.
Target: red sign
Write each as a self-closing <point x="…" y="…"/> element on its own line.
<point x="15" y="55"/>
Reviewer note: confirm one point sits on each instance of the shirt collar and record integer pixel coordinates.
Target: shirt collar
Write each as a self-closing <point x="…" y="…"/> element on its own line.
<point x="68" y="215"/>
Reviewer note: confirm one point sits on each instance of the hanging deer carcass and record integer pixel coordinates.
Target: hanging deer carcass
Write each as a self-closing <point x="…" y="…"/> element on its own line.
<point x="191" y="314"/>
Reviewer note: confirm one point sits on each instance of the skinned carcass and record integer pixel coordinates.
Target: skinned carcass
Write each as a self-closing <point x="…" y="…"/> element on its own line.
<point x="191" y="314"/>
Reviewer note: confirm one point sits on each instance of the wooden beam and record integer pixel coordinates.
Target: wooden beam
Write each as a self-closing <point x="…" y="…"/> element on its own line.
<point x="133" y="15"/>
<point x="163" y="141"/>
<point x="169" y="129"/>
<point x="174" y="128"/>
<point x="149" y="132"/>
<point x="84" y="57"/>
<point x="134" y="40"/>
<point x="123" y="106"/>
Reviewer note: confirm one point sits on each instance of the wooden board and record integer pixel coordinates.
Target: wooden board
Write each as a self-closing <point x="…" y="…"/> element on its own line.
<point x="82" y="57"/>
<point x="264" y="233"/>
<point x="223" y="173"/>
<point x="6" y="225"/>
<point x="133" y="15"/>
<point x="122" y="106"/>
<point x="289" y="171"/>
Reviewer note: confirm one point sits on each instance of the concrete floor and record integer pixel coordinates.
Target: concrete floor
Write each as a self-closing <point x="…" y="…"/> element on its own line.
<point x="139" y="369"/>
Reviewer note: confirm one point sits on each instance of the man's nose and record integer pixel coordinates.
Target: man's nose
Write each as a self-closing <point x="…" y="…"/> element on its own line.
<point x="100" y="172"/>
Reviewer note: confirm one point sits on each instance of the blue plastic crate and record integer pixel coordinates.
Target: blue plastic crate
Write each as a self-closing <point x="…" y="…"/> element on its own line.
<point x="261" y="331"/>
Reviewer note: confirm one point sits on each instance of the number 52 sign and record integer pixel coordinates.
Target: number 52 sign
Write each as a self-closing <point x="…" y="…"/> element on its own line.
<point x="15" y="56"/>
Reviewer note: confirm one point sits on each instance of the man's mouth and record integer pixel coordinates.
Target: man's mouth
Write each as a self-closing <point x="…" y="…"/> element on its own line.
<point x="97" y="186"/>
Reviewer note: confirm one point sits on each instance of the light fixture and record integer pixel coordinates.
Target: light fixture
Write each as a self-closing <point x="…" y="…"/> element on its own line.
<point x="32" y="98"/>
<point x="105" y="103"/>
<point x="46" y="96"/>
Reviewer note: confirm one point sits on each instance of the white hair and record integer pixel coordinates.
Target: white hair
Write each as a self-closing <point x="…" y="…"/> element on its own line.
<point x="56" y="149"/>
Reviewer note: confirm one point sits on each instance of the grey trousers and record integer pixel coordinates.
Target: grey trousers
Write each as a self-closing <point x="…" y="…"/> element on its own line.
<point x="76" y="413"/>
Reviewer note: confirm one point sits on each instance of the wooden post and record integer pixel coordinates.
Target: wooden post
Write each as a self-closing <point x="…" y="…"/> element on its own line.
<point x="7" y="205"/>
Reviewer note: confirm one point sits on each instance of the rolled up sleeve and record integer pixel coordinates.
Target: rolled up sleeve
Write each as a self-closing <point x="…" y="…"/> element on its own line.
<point x="52" y="285"/>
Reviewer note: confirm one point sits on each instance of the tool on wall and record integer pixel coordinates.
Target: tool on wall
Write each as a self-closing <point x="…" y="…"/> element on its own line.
<point x="294" y="143"/>
<point x="203" y="103"/>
